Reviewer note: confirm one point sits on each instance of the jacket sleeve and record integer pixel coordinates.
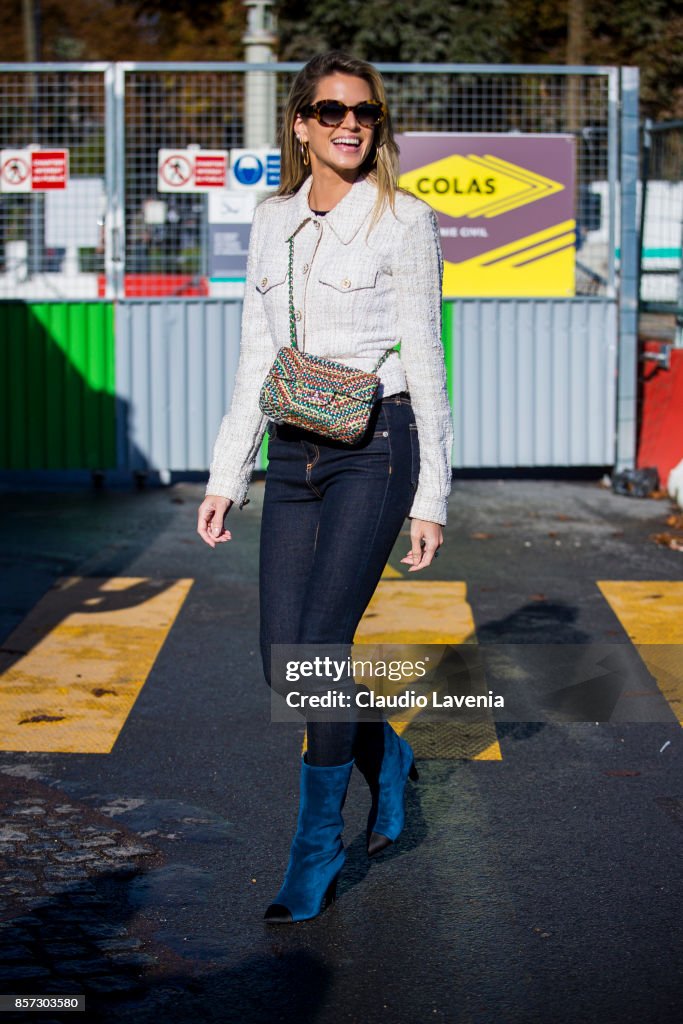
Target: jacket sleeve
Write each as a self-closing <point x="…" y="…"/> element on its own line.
<point x="417" y="273"/>
<point x="242" y="428"/>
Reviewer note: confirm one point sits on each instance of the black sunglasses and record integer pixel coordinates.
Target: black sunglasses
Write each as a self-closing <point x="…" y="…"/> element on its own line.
<point x="331" y="113"/>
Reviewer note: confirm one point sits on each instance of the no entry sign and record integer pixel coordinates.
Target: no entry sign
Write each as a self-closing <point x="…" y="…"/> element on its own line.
<point x="33" y="170"/>
<point x="192" y="170"/>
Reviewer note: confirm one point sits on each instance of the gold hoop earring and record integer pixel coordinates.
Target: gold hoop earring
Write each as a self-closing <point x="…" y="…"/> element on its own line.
<point x="304" y="153"/>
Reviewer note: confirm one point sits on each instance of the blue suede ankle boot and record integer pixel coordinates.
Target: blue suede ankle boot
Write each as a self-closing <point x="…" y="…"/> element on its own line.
<point x="317" y="853"/>
<point x="387" y="780"/>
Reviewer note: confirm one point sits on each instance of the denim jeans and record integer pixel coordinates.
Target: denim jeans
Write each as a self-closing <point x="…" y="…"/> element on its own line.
<point x="331" y="516"/>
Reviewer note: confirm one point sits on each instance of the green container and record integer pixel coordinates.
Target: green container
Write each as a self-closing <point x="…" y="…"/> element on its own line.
<point x="448" y="337"/>
<point x="58" y="385"/>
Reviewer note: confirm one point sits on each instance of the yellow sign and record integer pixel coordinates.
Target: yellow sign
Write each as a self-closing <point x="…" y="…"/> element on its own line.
<point x="470" y="186"/>
<point x="505" y="206"/>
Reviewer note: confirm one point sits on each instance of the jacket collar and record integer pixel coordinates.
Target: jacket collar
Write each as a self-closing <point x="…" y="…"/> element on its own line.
<point x="345" y="219"/>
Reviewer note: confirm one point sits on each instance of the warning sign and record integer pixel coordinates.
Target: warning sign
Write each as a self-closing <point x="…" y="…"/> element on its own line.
<point x="192" y="170"/>
<point x="210" y="171"/>
<point x="49" y="169"/>
<point x="33" y="170"/>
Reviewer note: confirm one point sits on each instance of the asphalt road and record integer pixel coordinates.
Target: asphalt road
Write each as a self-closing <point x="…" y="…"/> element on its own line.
<point x="541" y="883"/>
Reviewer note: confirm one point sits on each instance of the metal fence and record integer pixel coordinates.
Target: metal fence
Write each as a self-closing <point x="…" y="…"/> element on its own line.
<point x="119" y="323"/>
<point x="110" y="234"/>
<point x="52" y="242"/>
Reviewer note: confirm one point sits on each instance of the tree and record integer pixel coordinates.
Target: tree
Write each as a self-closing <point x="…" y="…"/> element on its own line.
<point x="394" y="30"/>
<point x="646" y="33"/>
<point x="85" y="30"/>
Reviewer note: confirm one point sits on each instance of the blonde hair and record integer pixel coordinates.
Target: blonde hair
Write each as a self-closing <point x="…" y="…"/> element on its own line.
<point x="381" y="164"/>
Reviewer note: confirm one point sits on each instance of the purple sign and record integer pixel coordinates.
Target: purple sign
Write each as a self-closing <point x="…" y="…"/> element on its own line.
<point x="505" y="205"/>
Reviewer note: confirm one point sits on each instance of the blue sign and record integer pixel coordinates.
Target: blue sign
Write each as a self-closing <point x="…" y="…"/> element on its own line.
<point x="273" y="170"/>
<point x="255" y="169"/>
<point x="248" y="170"/>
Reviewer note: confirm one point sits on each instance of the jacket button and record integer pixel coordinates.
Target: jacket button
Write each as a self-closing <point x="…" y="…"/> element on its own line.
<point x="346" y="283"/>
<point x="297" y="315"/>
<point x="264" y="282"/>
<point x="305" y="268"/>
<point x="316" y="225"/>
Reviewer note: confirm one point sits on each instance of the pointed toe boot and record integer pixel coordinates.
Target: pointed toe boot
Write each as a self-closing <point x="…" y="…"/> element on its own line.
<point x="386" y="772"/>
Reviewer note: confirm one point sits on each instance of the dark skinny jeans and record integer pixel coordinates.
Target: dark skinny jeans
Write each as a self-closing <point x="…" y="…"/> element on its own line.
<point x="331" y="516"/>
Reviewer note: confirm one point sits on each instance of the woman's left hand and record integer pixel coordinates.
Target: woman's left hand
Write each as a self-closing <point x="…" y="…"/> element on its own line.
<point x="426" y="538"/>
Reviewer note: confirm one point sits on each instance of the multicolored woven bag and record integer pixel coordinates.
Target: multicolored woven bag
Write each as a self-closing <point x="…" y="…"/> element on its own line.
<point x="318" y="394"/>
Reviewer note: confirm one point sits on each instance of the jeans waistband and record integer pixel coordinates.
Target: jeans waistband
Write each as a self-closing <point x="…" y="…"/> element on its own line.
<point x="400" y="398"/>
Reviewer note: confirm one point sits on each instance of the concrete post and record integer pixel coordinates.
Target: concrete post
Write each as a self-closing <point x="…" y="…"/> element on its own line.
<point x="260" y="95"/>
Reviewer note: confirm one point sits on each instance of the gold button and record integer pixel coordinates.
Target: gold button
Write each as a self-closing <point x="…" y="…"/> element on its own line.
<point x="305" y="268"/>
<point x="346" y="283"/>
<point x="264" y="282"/>
<point x="297" y="315"/>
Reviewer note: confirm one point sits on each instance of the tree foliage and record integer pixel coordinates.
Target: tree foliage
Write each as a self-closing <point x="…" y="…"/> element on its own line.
<point x="127" y="30"/>
<point x="395" y="30"/>
<point x="646" y="33"/>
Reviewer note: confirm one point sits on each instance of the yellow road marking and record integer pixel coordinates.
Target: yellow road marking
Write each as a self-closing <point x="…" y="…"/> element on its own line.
<point x="72" y="670"/>
<point x="419" y="612"/>
<point x="651" y="612"/>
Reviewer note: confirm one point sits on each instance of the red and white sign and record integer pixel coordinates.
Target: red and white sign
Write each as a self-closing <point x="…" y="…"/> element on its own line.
<point x="33" y="170"/>
<point x="192" y="170"/>
<point x="49" y="168"/>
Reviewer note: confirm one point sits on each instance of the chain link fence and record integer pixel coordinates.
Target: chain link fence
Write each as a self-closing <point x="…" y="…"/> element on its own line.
<point x="52" y="243"/>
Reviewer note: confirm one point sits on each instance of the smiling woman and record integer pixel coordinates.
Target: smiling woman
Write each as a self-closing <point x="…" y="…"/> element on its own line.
<point x="338" y="133"/>
<point x="353" y="265"/>
<point x="338" y="102"/>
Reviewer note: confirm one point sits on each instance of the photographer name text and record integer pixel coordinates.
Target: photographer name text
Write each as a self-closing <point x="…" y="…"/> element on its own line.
<point x="408" y="699"/>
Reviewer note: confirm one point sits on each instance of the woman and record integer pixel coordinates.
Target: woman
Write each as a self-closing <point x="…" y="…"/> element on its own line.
<point x="366" y="275"/>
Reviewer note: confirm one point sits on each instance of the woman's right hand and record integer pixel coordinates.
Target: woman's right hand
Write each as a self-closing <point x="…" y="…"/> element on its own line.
<point x="210" y="519"/>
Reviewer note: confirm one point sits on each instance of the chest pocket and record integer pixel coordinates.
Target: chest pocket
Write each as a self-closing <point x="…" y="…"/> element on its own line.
<point x="269" y="276"/>
<point x="357" y="278"/>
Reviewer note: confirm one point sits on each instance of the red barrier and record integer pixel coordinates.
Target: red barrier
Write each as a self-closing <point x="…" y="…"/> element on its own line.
<point x="155" y="286"/>
<point x="661" y="414"/>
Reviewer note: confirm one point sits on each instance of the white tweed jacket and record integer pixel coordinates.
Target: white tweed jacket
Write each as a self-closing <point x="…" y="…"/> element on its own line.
<point x="357" y="292"/>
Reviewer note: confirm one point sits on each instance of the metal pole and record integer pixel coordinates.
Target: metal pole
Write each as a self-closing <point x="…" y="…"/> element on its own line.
<point x="644" y="179"/>
<point x="627" y="379"/>
<point x="612" y="176"/>
<point x="259" y="86"/>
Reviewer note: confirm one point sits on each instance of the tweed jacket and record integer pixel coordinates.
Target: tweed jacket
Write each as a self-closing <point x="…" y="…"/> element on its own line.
<point x="358" y="291"/>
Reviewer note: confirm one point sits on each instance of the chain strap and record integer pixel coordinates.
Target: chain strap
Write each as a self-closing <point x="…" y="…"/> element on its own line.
<point x="290" y="275"/>
<point x="292" y="317"/>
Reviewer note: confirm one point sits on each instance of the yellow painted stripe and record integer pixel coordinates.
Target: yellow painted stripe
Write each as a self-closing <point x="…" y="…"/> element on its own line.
<point x="415" y="612"/>
<point x="71" y="671"/>
<point x="495" y="272"/>
<point x="651" y="612"/>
